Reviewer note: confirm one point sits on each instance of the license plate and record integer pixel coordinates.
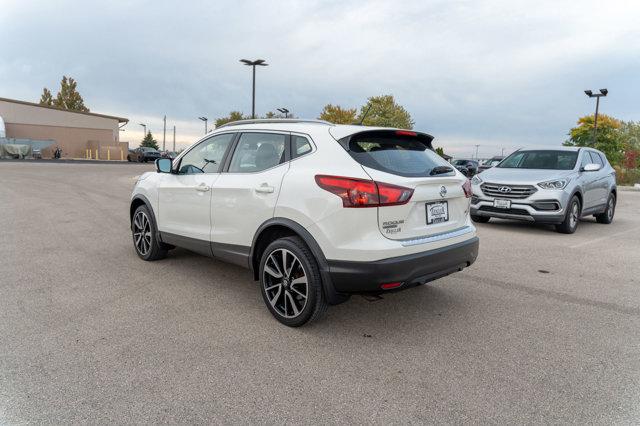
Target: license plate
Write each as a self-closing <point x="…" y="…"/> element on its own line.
<point x="502" y="204"/>
<point x="437" y="212"/>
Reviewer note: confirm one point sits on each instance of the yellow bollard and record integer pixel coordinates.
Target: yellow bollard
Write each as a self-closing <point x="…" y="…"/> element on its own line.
<point x="90" y="153"/>
<point x="121" y="155"/>
<point x="97" y="154"/>
<point x="108" y="153"/>
<point x="86" y="154"/>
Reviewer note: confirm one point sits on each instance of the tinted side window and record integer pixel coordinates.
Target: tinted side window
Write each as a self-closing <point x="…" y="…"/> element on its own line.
<point x="595" y="158"/>
<point x="301" y="146"/>
<point x="258" y="151"/>
<point x="207" y="156"/>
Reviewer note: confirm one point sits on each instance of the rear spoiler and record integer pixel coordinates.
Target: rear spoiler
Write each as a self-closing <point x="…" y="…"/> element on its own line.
<point x="395" y="133"/>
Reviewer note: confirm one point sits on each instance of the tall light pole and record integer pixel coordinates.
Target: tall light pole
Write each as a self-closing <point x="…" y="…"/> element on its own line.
<point x="253" y="64"/>
<point x="284" y="111"/>
<point x="164" y="131"/>
<point x="205" y="123"/>
<point x="144" y="126"/>
<point x="589" y="93"/>
<point x="477" y="151"/>
<point x="174" y="138"/>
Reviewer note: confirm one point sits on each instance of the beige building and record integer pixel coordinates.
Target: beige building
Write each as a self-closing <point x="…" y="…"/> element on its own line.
<point x="74" y="132"/>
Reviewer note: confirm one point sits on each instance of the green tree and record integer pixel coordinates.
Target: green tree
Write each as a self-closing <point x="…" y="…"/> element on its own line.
<point x="68" y="97"/>
<point x="46" y="98"/>
<point x="338" y="115"/>
<point x="233" y="116"/>
<point x="440" y="151"/>
<point x="610" y="138"/>
<point x="149" y="141"/>
<point x="383" y="111"/>
<point x="631" y="134"/>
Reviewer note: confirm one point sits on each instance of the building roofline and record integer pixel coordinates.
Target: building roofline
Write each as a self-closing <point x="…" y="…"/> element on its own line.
<point x="15" y="101"/>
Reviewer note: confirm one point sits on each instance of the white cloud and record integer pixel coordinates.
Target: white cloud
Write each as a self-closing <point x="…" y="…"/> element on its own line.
<point x="491" y="72"/>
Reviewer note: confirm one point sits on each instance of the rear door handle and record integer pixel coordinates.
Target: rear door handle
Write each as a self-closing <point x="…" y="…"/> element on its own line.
<point x="265" y="189"/>
<point x="202" y="187"/>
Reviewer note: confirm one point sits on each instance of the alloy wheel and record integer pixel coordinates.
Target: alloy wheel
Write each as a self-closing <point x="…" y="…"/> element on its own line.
<point x="285" y="283"/>
<point x="573" y="216"/>
<point x="142" y="233"/>
<point x="610" y="209"/>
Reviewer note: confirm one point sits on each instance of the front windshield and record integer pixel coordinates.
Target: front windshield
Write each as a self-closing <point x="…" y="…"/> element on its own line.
<point x="543" y="159"/>
<point x="459" y="162"/>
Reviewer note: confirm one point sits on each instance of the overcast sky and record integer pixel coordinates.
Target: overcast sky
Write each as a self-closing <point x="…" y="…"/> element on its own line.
<point x="499" y="73"/>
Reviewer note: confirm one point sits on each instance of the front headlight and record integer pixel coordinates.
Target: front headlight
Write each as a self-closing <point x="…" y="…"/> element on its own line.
<point x="476" y="180"/>
<point x="554" y="184"/>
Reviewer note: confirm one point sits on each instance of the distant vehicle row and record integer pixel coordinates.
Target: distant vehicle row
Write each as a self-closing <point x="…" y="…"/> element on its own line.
<point x="144" y="154"/>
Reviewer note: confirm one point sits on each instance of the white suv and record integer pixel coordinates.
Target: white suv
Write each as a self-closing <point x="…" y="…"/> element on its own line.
<point x="317" y="211"/>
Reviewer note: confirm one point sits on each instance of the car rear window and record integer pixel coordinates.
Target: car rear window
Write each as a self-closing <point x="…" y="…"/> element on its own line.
<point x="401" y="153"/>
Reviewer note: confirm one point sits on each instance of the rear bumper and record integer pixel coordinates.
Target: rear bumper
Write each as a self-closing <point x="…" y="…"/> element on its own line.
<point x="410" y="270"/>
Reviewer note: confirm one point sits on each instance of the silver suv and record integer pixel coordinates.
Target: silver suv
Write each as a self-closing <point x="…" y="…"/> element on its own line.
<point x="556" y="186"/>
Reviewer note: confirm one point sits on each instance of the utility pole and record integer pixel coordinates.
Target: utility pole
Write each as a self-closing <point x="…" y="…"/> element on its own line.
<point x="144" y="127"/>
<point x="164" y="131"/>
<point x="174" y="138"/>
<point x="589" y="93"/>
<point x="502" y="154"/>
<point x="477" y="151"/>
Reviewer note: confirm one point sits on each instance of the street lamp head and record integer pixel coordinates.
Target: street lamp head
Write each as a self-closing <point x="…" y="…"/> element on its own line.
<point x="588" y="93"/>
<point x="604" y="92"/>
<point x="203" y="118"/>
<point x="260" y="62"/>
<point x="283" y="110"/>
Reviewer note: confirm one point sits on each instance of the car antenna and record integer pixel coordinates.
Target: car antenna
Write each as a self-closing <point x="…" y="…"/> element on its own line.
<point x="364" y="115"/>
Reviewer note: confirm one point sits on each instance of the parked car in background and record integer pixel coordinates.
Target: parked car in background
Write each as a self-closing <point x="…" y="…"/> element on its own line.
<point x="492" y="162"/>
<point x="556" y="186"/>
<point x="317" y="211"/>
<point x="169" y="154"/>
<point x="143" y="154"/>
<point x="466" y="167"/>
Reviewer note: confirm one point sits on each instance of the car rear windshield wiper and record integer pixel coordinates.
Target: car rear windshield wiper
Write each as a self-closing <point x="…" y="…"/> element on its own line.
<point x="439" y="170"/>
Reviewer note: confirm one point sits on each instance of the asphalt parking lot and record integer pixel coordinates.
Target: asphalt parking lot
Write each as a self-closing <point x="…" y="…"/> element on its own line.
<point x="543" y="328"/>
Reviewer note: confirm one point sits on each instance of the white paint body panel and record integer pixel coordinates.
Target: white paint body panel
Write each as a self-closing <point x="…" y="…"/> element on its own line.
<point x="236" y="211"/>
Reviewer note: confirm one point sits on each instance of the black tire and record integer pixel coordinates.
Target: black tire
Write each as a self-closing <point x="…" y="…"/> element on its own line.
<point x="571" y="217"/>
<point x="145" y="235"/>
<point x="606" y="217"/>
<point x="128" y="158"/>
<point x="283" y="295"/>
<point x="480" y="219"/>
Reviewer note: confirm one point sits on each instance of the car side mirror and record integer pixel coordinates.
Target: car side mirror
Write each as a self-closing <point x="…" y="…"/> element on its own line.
<point x="592" y="167"/>
<point x="163" y="165"/>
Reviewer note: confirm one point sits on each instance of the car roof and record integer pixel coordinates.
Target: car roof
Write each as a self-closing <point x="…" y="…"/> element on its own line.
<point x="555" y="148"/>
<point x="338" y="131"/>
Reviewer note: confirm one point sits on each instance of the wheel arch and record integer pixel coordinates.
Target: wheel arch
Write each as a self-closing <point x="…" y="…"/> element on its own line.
<point x="578" y="194"/>
<point x="140" y="200"/>
<point x="279" y="227"/>
<point x="137" y="201"/>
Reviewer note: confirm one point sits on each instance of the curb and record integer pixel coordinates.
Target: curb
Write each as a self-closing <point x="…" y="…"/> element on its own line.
<point x="630" y="188"/>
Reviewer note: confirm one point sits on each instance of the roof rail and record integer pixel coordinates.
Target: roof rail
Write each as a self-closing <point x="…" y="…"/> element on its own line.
<point x="275" y="120"/>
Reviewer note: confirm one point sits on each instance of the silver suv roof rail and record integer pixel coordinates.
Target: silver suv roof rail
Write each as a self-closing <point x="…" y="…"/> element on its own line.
<point x="275" y="120"/>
